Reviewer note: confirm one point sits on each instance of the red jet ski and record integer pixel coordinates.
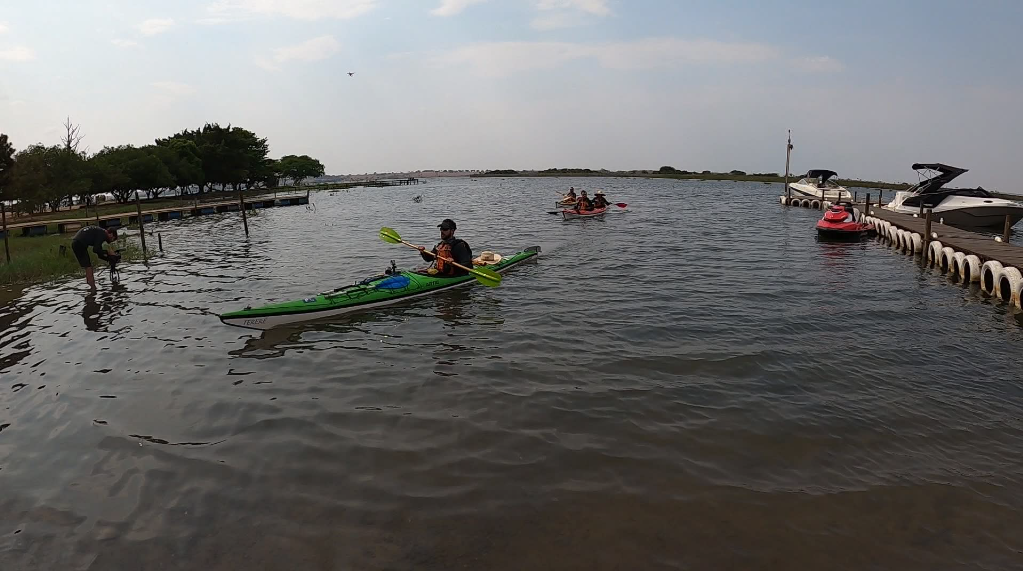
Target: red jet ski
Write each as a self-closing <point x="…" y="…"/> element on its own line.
<point x="839" y="223"/>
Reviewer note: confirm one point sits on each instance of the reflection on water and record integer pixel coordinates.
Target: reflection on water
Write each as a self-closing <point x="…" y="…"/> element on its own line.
<point x="664" y="388"/>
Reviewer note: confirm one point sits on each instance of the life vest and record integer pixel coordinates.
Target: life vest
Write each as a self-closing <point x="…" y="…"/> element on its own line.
<point x="444" y="251"/>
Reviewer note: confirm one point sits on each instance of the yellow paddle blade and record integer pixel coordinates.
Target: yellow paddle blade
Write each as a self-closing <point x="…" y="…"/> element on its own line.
<point x="487" y="277"/>
<point x="389" y="235"/>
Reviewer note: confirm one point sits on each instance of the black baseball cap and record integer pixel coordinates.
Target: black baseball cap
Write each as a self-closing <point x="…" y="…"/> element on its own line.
<point x="447" y="224"/>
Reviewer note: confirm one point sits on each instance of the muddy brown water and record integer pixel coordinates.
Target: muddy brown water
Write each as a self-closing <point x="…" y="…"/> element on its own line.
<point x="695" y="383"/>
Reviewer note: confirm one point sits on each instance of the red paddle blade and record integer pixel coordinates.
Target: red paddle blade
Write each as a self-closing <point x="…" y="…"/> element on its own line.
<point x="621" y="204"/>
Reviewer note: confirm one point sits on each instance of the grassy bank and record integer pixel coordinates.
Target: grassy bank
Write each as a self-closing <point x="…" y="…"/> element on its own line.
<point x="39" y="259"/>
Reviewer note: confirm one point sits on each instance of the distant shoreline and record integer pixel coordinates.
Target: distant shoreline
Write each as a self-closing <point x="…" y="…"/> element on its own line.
<point x="700" y="176"/>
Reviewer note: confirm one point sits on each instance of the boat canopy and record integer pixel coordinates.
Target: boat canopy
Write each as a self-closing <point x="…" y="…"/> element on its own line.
<point x="934" y="184"/>
<point x="822" y="174"/>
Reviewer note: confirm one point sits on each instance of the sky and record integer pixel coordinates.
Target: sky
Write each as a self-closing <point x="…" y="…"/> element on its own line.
<point x="868" y="88"/>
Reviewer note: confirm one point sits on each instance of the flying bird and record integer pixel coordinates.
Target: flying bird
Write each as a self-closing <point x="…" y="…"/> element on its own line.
<point x="351" y="73"/>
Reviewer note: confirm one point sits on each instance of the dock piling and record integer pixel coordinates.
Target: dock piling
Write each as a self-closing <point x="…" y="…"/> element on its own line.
<point x="1008" y="228"/>
<point x="3" y="214"/>
<point x="142" y="229"/>
<point x="927" y="231"/>
<point x="788" y="155"/>
<point x="241" y="205"/>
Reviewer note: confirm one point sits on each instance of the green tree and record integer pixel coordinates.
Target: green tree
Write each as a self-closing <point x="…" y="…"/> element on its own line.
<point x="299" y="168"/>
<point x="32" y="180"/>
<point x="229" y="155"/>
<point x="6" y="164"/>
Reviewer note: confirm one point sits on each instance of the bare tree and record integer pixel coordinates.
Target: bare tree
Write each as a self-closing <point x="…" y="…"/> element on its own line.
<point x="72" y="137"/>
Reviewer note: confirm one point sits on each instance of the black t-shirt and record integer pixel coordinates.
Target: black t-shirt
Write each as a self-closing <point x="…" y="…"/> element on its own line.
<point x="91" y="236"/>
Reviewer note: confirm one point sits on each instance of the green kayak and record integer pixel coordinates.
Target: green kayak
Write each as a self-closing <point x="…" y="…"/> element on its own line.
<point x="372" y="292"/>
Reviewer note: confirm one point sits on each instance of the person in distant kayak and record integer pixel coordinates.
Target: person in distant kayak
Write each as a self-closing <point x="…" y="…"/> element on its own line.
<point x="598" y="200"/>
<point x="451" y="248"/>
<point x="570" y="197"/>
<point x="94" y="237"/>
<point x="583" y="203"/>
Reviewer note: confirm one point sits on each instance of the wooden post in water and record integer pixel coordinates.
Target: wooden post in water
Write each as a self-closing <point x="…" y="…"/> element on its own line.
<point x="880" y="193"/>
<point x="927" y="231"/>
<point x="855" y="194"/>
<point x="921" y="206"/>
<point x="142" y="229"/>
<point x="788" y="155"/>
<point x="866" y="205"/>
<point x="3" y="214"/>
<point x="1008" y="227"/>
<point x="241" y="204"/>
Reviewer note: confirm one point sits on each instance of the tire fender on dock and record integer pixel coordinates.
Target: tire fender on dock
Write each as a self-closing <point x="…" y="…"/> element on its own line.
<point x="1009" y="280"/>
<point x="916" y="243"/>
<point x="900" y="239"/>
<point x="934" y="252"/>
<point x="989" y="276"/>
<point x="956" y="267"/>
<point x="1017" y="295"/>
<point x="971" y="269"/>
<point x="945" y="261"/>
<point x="815" y="204"/>
<point x="784" y="201"/>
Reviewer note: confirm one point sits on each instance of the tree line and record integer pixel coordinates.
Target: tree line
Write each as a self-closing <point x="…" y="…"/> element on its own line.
<point x="198" y="161"/>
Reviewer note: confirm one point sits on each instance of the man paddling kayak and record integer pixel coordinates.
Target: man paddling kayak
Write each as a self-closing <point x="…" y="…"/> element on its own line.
<point x="583" y="203"/>
<point x="451" y="248"/>
<point x="94" y="237"/>
<point x="599" y="201"/>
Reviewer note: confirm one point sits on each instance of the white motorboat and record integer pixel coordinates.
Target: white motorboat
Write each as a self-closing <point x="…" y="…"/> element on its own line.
<point x="817" y="183"/>
<point x="963" y="207"/>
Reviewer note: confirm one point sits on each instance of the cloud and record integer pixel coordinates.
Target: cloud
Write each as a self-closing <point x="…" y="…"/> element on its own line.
<point x="310" y="50"/>
<point x="557" y="14"/>
<point x="17" y="53"/>
<point x="595" y="7"/>
<point x="233" y="10"/>
<point x="155" y="26"/>
<point x="555" y="21"/>
<point x="504" y="58"/>
<point x="124" y="43"/>
<point x="452" y="7"/>
<point x="174" y="87"/>
<point x="818" y="64"/>
<point x="3" y="27"/>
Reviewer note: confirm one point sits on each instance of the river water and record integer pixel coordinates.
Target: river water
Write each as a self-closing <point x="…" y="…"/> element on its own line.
<point x="694" y="383"/>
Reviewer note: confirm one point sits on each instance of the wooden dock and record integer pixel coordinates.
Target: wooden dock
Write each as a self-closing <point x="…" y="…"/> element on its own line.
<point x="189" y="209"/>
<point x="968" y="257"/>
<point x="984" y="247"/>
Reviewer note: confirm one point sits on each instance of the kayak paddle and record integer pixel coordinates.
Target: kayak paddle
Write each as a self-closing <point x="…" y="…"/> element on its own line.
<point x="485" y="276"/>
